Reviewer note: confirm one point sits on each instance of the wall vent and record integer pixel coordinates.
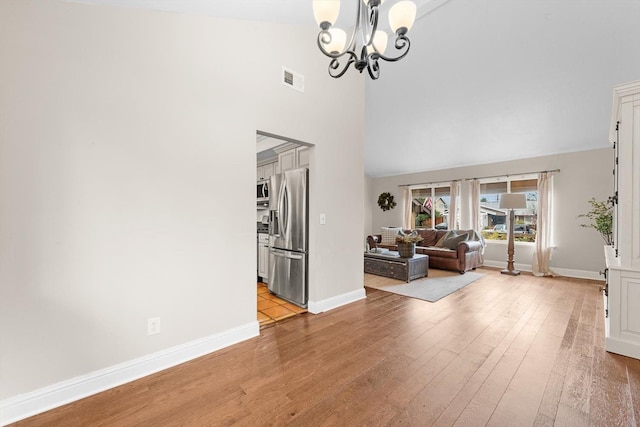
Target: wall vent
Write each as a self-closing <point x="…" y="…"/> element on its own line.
<point x="292" y="79"/>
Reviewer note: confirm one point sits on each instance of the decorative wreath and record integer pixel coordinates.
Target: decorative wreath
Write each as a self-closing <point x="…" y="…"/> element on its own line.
<point x="385" y="201"/>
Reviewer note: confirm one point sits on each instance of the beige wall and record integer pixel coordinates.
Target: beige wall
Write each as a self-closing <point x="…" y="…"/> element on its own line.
<point x="368" y="207"/>
<point x="583" y="175"/>
<point x="127" y="173"/>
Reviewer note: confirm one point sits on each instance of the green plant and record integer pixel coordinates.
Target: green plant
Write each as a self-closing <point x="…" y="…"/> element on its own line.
<point x="421" y="218"/>
<point x="386" y="202"/>
<point x="409" y="238"/>
<point x="601" y="217"/>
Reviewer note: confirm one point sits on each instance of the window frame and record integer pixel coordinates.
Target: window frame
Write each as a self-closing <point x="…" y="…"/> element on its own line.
<point x="508" y="179"/>
<point x="432" y="187"/>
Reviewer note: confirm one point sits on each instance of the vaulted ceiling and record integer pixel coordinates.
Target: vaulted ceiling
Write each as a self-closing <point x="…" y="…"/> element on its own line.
<point x="494" y="80"/>
<point x="484" y="81"/>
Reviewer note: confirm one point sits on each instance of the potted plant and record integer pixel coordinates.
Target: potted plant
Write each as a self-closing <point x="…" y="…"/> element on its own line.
<point x="407" y="244"/>
<point x="601" y="217"/>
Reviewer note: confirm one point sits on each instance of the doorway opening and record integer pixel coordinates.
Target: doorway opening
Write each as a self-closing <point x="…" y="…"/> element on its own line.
<point x="282" y="222"/>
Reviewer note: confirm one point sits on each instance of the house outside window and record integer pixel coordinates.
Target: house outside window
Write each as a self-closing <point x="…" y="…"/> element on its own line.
<point x="430" y="207"/>
<point x="494" y="220"/>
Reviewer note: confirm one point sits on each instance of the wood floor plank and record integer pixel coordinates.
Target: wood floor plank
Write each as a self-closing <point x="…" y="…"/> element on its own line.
<point x="490" y="394"/>
<point x="462" y="400"/>
<point x="633" y="376"/>
<point x="502" y="351"/>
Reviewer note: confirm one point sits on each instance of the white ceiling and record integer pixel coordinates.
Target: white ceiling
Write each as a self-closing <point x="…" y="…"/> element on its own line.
<point x="494" y="80"/>
<point x="283" y="11"/>
<point x="485" y="80"/>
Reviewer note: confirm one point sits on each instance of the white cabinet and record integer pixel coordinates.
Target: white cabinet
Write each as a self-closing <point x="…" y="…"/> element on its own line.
<point x="302" y="157"/>
<point x="294" y="159"/>
<point x="622" y="298"/>
<point x="263" y="257"/>
<point x="265" y="171"/>
<point x="287" y="160"/>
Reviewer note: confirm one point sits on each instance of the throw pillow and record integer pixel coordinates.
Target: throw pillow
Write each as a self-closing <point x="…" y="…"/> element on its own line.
<point x="445" y="236"/>
<point x="389" y="235"/>
<point x="452" y="242"/>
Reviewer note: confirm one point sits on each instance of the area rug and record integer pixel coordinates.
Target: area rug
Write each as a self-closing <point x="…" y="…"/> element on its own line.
<point x="438" y="285"/>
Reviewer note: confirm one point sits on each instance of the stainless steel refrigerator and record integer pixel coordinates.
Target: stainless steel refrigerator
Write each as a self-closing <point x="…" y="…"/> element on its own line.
<point x="288" y="240"/>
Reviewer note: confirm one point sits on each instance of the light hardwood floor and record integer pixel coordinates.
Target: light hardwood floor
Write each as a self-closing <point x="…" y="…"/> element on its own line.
<point x="503" y="351"/>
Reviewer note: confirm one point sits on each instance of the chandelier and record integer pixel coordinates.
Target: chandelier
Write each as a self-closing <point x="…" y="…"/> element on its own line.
<point x="367" y="44"/>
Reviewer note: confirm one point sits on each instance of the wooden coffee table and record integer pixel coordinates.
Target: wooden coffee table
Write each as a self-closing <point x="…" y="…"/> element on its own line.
<point x="389" y="264"/>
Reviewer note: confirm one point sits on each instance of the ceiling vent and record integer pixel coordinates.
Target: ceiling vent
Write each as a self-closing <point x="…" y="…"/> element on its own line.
<point x="293" y="79"/>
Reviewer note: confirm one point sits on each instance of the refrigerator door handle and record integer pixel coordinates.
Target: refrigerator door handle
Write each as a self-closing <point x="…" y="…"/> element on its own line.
<point x="280" y="212"/>
<point x="285" y="254"/>
<point x="285" y="211"/>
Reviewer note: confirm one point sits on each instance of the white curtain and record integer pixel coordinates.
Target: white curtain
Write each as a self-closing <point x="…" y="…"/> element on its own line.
<point x="542" y="253"/>
<point x="475" y="204"/>
<point x="408" y="205"/>
<point x="453" y="205"/>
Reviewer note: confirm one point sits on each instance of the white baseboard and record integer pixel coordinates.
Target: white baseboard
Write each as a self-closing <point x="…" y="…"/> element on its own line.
<point x="29" y="404"/>
<point x="579" y="274"/>
<point x="316" y="307"/>
<point x="620" y="346"/>
<point x="566" y="272"/>
<point x="503" y="264"/>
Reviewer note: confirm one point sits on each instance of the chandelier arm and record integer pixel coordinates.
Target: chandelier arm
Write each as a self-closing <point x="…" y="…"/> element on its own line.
<point x="352" y="41"/>
<point x="369" y="23"/>
<point x="335" y="64"/>
<point x="402" y="43"/>
<point x="373" y="68"/>
<point x="324" y="37"/>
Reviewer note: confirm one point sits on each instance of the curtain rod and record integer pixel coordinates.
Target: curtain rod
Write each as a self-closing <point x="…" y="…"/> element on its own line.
<point x="482" y="177"/>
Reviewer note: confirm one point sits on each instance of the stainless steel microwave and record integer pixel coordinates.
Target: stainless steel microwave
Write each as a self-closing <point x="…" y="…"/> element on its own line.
<point x="262" y="196"/>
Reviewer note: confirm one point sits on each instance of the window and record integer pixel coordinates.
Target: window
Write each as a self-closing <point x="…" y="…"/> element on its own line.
<point x="430" y="208"/>
<point x="494" y="220"/>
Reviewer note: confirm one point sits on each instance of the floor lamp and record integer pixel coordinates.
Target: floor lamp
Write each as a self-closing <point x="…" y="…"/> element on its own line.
<point x="512" y="202"/>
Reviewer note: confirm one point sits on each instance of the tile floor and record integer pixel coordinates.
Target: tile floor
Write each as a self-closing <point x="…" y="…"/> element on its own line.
<point x="272" y="309"/>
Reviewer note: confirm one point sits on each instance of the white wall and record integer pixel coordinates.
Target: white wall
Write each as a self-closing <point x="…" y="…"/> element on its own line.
<point x="127" y="174"/>
<point x="368" y="207"/>
<point x="583" y="175"/>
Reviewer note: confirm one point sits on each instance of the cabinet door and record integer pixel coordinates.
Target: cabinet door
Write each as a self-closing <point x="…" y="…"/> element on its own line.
<point x="268" y="170"/>
<point x="260" y="173"/>
<point x="302" y="157"/>
<point x="263" y="261"/>
<point x="287" y="160"/>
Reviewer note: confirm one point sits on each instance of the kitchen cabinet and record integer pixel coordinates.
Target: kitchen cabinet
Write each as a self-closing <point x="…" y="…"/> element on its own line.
<point x="265" y="171"/>
<point x="263" y="257"/>
<point x="302" y="157"/>
<point x="294" y="159"/>
<point x="622" y="290"/>
<point x="287" y="160"/>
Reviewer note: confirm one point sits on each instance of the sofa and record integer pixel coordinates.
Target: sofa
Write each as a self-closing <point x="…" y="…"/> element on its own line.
<point x="455" y="250"/>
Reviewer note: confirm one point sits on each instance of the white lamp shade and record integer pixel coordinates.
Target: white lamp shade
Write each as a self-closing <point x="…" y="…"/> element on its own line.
<point x="402" y="15"/>
<point x="338" y="40"/>
<point x="380" y="39"/>
<point x="326" y="11"/>
<point x="513" y="201"/>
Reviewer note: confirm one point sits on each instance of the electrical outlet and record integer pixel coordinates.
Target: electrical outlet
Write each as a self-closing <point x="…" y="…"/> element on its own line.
<point x="323" y="219"/>
<point x="153" y="325"/>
